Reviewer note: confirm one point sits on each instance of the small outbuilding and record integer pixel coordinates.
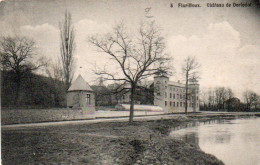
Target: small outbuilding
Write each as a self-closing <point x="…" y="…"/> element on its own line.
<point x="80" y="95"/>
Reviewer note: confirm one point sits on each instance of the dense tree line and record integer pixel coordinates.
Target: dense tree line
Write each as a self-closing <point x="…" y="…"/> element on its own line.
<point x="223" y="99"/>
<point x="36" y="91"/>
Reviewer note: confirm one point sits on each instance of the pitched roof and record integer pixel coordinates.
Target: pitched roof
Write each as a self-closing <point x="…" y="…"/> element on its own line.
<point x="80" y="85"/>
<point x="178" y="84"/>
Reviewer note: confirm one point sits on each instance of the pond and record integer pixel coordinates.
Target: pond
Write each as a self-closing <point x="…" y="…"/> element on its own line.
<point x="235" y="142"/>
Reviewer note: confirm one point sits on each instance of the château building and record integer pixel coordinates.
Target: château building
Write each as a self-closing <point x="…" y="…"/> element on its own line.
<point x="171" y="95"/>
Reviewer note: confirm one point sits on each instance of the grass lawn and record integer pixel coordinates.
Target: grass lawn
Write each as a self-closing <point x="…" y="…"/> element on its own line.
<point x="145" y="142"/>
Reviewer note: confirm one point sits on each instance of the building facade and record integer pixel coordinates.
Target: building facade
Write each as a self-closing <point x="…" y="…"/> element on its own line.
<point x="171" y="95"/>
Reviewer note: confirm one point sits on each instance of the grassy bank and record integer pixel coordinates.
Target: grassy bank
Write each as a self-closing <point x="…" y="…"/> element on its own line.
<point x="145" y="142"/>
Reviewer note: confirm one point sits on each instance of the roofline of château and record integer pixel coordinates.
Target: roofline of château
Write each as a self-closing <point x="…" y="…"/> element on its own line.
<point x="81" y="91"/>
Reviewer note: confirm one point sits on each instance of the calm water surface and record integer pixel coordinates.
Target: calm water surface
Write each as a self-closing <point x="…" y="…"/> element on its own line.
<point x="235" y="142"/>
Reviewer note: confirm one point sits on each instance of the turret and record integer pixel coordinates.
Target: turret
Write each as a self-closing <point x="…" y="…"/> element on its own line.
<point x="160" y="90"/>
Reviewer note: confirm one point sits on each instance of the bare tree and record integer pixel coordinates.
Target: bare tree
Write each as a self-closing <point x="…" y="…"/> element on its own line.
<point x="204" y="98"/>
<point x="17" y="56"/>
<point x="256" y="101"/>
<point x="55" y="73"/>
<point x="211" y="98"/>
<point x="221" y="97"/>
<point x="229" y="95"/>
<point x="250" y="97"/>
<point x="137" y="57"/>
<point x="190" y="70"/>
<point x="67" y="48"/>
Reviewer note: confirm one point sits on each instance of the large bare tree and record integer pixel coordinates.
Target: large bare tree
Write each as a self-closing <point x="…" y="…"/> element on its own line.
<point x="190" y="70"/>
<point x="17" y="56"/>
<point x="67" y="48"/>
<point x="137" y="56"/>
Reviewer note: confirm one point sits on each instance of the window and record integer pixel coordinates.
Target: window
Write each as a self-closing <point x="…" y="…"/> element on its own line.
<point x="174" y="96"/>
<point x="197" y="98"/>
<point x="165" y="87"/>
<point x="177" y="96"/>
<point x="180" y="96"/>
<point x="170" y="103"/>
<point x="170" y="95"/>
<point x="177" y="104"/>
<point x="180" y="104"/>
<point x="158" y="94"/>
<point x="174" y="104"/>
<point x="165" y="103"/>
<point x="88" y="98"/>
<point x="165" y="94"/>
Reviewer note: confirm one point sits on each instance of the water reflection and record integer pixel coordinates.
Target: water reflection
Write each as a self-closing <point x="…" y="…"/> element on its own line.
<point x="233" y="141"/>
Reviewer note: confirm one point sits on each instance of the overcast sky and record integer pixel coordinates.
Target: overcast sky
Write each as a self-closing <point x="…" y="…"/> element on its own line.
<point x="226" y="41"/>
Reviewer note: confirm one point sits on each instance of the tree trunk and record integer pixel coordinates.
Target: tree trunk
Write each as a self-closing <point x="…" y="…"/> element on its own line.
<point x="186" y="96"/>
<point x="18" y="85"/>
<point x="67" y="82"/>
<point x="132" y="97"/>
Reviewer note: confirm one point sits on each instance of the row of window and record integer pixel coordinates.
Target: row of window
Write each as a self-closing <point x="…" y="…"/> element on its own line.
<point x="176" y="89"/>
<point x="179" y="96"/>
<point x="181" y="104"/>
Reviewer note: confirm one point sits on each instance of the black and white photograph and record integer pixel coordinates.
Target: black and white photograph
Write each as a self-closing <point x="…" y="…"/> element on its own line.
<point x="130" y="82"/>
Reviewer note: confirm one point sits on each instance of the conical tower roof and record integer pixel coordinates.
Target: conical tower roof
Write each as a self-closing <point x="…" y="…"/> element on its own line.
<point x="80" y="85"/>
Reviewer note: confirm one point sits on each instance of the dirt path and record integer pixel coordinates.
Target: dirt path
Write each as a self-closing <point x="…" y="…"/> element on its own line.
<point x="121" y="119"/>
